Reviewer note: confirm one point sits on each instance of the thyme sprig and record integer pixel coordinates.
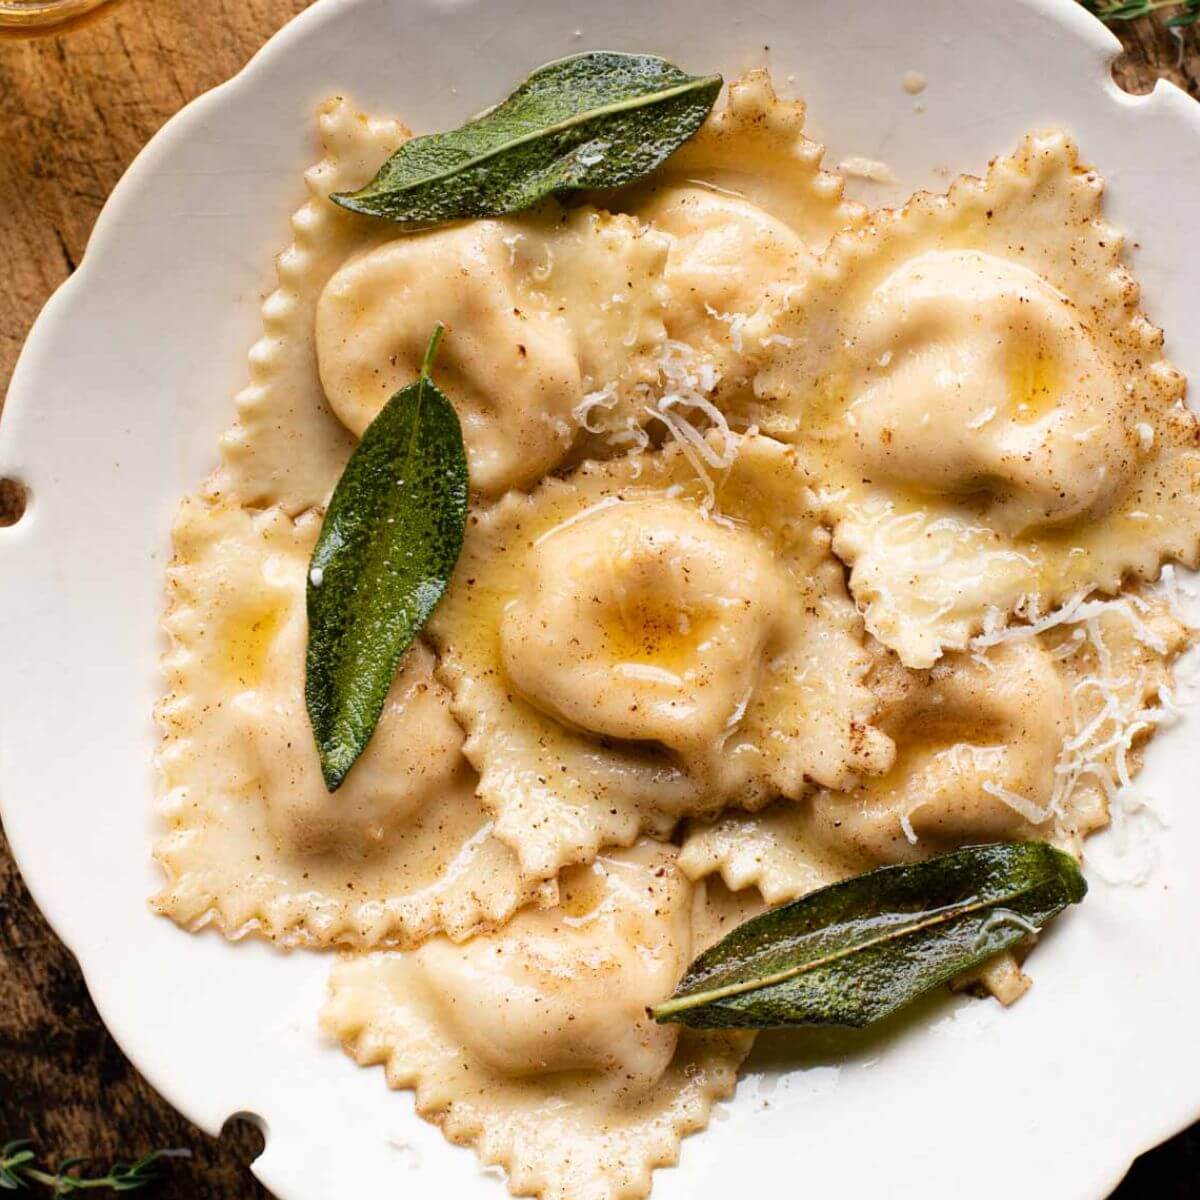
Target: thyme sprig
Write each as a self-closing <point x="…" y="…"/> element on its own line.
<point x="19" y="1170"/>
<point x="1110" y="11"/>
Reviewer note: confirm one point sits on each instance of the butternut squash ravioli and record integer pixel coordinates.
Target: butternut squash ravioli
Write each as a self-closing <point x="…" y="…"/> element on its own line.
<point x="802" y="539"/>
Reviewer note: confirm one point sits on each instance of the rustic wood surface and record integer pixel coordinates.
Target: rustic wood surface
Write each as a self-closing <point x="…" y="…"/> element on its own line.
<point x="74" y="109"/>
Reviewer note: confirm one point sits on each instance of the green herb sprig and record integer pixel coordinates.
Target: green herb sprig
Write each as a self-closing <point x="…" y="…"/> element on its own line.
<point x="594" y="120"/>
<point x="383" y="560"/>
<point x="853" y="953"/>
<point x="19" y="1172"/>
<point x="1111" y="11"/>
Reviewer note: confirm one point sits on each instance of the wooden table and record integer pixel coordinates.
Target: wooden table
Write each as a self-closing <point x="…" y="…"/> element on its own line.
<point x="74" y="109"/>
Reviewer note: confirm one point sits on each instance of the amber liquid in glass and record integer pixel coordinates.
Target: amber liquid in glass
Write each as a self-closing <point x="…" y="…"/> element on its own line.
<point x="29" y="17"/>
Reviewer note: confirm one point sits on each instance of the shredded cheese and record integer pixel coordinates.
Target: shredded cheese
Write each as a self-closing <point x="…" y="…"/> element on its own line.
<point x="737" y="323"/>
<point x="1077" y="608"/>
<point x="678" y="398"/>
<point x="712" y="187"/>
<point x="1110" y="713"/>
<point x="1018" y="803"/>
<point x="604" y="399"/>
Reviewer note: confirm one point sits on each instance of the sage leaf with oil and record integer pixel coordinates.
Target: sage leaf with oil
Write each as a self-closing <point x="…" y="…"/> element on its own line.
<point x="383" y="560"/>
<point x="595" y="120"/>
<point x="859" y="950"/>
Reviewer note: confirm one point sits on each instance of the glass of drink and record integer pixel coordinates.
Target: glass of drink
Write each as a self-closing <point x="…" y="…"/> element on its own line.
<point x="18" y="17"/>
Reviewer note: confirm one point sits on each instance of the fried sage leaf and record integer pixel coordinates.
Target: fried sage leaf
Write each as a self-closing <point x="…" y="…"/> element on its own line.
<point x="854" y="952"/>
<point x="387" y="548"/>
<point x="594" y="120"/>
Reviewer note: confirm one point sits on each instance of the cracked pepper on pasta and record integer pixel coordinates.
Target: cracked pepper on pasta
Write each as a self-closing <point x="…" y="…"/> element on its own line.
<point x="802" y="540"/>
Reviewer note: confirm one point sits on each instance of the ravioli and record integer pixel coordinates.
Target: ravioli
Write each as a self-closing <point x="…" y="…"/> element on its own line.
<point x="986" y="413"/>
<point x="726" y="253"/>
<point x="255" y="843"/>
<point x="808" y="539"/>
<point x="621" y="656"/>
<point x="754" y="148"/>
<point x="557" y="305"/>
<point x="746" y="206"/>
<point x="533" y="1044"/>
<point x="586" y="317"/>
<point x="287" y="447"/>
<point x="1028" y="736"/>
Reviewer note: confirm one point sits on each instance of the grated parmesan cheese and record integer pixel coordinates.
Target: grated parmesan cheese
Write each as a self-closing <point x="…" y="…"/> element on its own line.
<point x="679" y="398"/>
<point x="1109" y="714"/>
<point x="712" y="187"/>
<point x="871" y="169"/>
<point x="1018" y="803"/>
<point x="1077" y="608"/>
<point x="737" y="323"/>
<point x="604" y="399"/>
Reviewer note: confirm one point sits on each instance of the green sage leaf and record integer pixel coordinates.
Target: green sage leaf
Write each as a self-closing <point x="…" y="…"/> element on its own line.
<point x="387" y="548"/>
<point x="857" y="951"/>
<point x="595" y="120"/>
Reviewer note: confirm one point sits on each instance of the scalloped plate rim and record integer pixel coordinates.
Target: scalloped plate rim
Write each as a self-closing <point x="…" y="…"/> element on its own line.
<point x="126" y="195"/>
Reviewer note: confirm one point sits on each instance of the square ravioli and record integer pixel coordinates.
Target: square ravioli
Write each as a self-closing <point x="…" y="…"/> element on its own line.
<point x="1033" y="734"/>
<point x="801" y="540"/>
<point x="987" y="415"/>
<point x="254" y="842"/>
<point x="626" y="649"/>
<point x="533" y="1045"/>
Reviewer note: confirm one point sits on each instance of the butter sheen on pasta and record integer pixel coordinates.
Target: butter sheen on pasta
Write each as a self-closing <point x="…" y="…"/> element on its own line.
<point x="802" y="540"/>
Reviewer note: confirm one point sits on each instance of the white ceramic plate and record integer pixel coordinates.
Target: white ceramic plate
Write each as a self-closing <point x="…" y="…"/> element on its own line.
<point x="114" y="412"/>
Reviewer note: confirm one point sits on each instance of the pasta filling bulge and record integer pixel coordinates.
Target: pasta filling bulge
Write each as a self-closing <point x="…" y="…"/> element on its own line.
<point x="987" y="416"/>
<point x="549" y="1015"/>
<point x="621" y="656"/>
<point x="1035" y="735"/>
<point x="557" y="305"/>
<point x="255" y="843"/>
<point x="802" y="540"/>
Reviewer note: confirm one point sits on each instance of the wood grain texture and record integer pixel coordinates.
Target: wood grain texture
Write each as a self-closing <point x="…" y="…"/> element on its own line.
<point x="74" y="110"/>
